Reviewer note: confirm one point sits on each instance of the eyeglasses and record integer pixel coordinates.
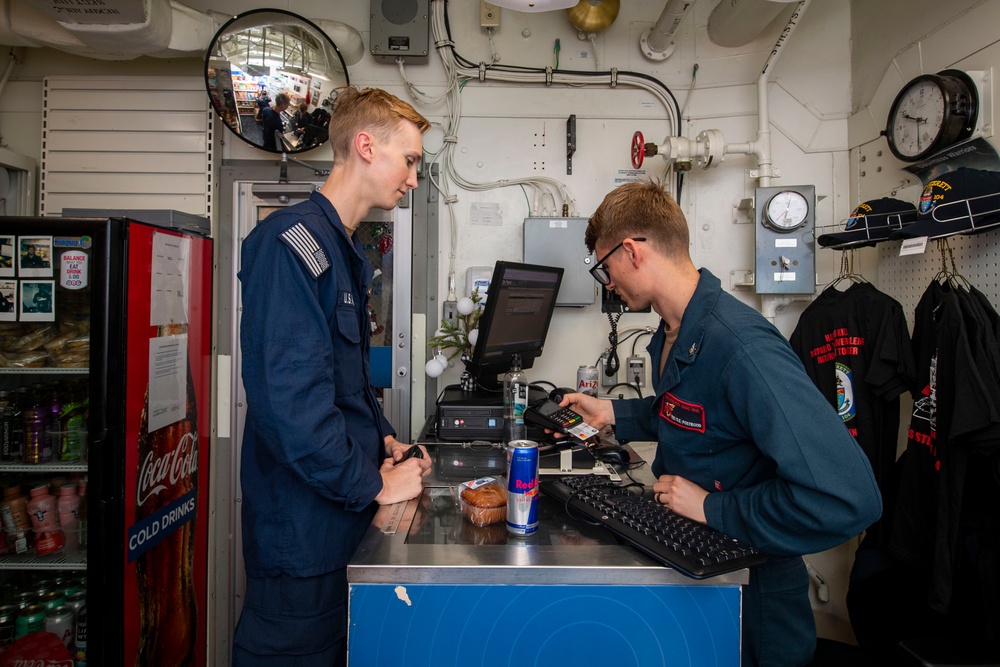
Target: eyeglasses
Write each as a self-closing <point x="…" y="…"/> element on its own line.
<point x="599" y="272"/>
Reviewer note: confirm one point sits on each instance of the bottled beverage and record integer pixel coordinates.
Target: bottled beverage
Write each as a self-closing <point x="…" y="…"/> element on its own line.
<point x="82" y="519"/>
<point x="80" y="640"/>
<point x="34" y="419"/>
<point x="68" y="504"/>
<point x="168" y="612"/>
<point x="44" y="516"/>
<point x="42" y="508"/>
<point x="73" y="427"/>
<point x="8" y="449"/>
<point x="52" y="409"/>
<point x="18" y="400"/>
<point x="16" y="523"/>
<point x="515" y="400"/>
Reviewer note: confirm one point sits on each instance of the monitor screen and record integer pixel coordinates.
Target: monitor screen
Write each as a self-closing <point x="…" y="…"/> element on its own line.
<point x="515" y="320"/>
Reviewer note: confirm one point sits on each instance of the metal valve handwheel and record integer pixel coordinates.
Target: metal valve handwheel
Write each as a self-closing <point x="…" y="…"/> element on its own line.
<point x="638" y="149"/>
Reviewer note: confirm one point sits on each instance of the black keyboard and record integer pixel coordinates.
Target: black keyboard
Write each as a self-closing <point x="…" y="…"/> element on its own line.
<point x="684" y="544"/>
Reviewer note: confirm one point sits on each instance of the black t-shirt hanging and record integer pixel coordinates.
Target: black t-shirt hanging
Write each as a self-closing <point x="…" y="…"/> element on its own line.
<point x="856" y="348"/>
<point x="953" y="412"/>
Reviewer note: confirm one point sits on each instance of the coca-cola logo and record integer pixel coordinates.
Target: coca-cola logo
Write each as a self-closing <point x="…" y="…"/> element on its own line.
<point x="156" y="472"/>
<point x="39" y="662"/>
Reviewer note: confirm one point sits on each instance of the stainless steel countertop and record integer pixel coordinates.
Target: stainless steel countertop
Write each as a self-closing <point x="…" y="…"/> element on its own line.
<point x="429" y="540"/>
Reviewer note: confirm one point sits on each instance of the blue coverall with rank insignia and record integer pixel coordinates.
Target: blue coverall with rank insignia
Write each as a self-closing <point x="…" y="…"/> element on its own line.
<point x="314" y="436"/>
<point x="735" y="413"/>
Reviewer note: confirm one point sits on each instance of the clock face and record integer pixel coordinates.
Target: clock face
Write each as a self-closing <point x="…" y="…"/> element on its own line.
<point x="918" y="118"/>
<point x="786" y="211"/>
<point x="930" y="113"/>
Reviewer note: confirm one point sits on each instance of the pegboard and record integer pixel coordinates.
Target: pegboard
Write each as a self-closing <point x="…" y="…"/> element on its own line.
<point x="977" y="258"/>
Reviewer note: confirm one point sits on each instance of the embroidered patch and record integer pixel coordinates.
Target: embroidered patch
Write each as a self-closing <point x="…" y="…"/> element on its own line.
<point x="300" y="240"/>
<point x="347" y="298"/>
<point x="680" y="413"/>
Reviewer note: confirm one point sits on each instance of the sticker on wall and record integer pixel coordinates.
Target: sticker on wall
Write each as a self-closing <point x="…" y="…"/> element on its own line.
<point x="8" y="300"/>
<point x="38" y="301"/>
<point x="7" y="255"/>
<point x="73" y="269"/>
<point x="34" y="256"/>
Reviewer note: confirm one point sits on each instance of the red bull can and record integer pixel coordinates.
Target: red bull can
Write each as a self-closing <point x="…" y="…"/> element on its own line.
<point x="522" y="487"/>
<point x="586" y="380"/>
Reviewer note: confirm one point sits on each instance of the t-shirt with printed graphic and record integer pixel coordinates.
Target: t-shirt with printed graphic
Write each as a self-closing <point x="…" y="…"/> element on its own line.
<point x="855" y="347"/>
<point x="954" y="413"/>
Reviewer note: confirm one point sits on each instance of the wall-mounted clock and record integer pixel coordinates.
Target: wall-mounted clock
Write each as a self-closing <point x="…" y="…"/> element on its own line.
<point x="930" y="113"/>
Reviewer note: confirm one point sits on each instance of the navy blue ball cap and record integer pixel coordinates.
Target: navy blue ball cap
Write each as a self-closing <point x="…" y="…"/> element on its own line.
<point x="963" y="201"/>
<point x="871" y="222"/>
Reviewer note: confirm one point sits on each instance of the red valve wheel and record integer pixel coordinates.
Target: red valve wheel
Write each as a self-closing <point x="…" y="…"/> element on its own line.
<point x="638" y="149"/>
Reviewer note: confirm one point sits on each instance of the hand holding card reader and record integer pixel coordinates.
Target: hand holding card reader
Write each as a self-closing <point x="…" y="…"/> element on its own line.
<point x="413" y="452"/>
<point x="563" y="420"/>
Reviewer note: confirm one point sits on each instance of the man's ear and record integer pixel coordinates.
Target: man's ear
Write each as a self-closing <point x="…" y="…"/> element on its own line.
<point x="364" y="144"/>
<point x="635" y="252"/>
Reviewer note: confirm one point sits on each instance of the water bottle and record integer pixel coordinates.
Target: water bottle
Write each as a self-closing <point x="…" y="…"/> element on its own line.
<point x="515" y="401"/>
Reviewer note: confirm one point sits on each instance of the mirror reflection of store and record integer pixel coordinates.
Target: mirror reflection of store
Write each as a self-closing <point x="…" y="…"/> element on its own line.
<point x="262" y="54"/>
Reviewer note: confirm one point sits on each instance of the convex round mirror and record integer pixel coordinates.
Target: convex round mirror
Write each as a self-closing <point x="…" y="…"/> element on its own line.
<point x="272" y="77"/>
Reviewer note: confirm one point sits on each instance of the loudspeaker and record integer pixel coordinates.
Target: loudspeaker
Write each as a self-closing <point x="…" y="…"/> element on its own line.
<point x="400" y="29"/>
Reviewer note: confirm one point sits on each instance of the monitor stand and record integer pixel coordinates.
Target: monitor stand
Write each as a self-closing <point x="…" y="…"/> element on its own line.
<point x="568" y="464"/>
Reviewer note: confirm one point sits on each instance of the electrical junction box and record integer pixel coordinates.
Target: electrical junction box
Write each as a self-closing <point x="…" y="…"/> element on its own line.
<point x="785" y="223"/>
<point x="559" y="242"/>
<point x="400" y="29"/>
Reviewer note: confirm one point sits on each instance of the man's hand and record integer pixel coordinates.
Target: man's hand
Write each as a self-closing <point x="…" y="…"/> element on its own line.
<point x="682" y="496"/>
<point x="597" y="412"/>
<point x="400" y="482"/>
<point x="395" y="449"/>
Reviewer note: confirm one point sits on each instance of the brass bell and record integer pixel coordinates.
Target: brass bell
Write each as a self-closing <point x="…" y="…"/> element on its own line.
<point x="593" y="15"/>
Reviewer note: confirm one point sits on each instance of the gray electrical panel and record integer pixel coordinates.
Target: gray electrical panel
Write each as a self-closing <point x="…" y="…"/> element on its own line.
<point x="400" y="29"/>
<point x="785" y="223"/>
<point x="559" y="242"/>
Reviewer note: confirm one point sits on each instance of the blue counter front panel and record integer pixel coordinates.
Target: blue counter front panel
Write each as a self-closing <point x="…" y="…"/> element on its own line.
<point x="441" y="625"/>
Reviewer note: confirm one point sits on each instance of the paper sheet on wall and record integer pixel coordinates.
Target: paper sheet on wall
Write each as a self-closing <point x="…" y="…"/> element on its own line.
<point x="168" y="290"/>
<point x="167" y="381"/>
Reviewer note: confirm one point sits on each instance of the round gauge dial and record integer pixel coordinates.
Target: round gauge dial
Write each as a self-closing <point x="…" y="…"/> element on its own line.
<point x="930" y="113"/>
<point x="785" y="211"/>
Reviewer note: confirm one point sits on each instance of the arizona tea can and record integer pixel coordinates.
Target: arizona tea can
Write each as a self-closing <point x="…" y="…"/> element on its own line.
<point x="522" y="487"/>
<point x="586" y="380"/>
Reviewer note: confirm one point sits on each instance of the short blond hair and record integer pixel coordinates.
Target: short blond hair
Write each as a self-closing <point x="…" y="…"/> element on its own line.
<point x="371" y="109"/>
<point x="642" y="208"/>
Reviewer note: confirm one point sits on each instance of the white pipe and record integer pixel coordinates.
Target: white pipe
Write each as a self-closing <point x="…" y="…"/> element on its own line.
<point x="762" y="144"/>
<point x="658" y="42"/>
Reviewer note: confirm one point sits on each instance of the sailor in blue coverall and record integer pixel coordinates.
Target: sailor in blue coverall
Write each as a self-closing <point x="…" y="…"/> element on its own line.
<point x="318" y="453"/>
<point x="747" y="444"/>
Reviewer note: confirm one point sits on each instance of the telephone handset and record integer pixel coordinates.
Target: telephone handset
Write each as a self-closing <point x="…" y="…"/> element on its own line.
<point x="547" y="413"/>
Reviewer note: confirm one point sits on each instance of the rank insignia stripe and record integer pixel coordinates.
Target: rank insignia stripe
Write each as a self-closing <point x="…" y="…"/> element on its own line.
<point x="306" y="248"/>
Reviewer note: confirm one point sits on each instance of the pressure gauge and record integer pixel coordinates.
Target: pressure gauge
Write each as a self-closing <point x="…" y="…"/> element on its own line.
<point x="786" y="210"/>
<point x="930" y="113"/>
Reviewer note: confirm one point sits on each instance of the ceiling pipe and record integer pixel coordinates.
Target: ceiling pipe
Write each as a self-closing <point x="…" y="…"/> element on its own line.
<point x="735" y="23"/>
<point x="657" y="43"/>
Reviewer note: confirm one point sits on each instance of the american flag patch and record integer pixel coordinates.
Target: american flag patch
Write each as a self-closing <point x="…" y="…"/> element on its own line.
<point x="299" y="239"/>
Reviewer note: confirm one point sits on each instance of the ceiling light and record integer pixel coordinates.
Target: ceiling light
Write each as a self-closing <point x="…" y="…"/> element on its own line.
<point x="534" y="5"/>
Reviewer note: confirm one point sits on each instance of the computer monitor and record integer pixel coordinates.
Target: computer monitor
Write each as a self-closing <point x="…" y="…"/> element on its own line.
<point x="515" y="320"/>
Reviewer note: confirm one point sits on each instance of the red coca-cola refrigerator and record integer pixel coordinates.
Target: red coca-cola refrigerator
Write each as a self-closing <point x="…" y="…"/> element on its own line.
<point x="105" y="318"/>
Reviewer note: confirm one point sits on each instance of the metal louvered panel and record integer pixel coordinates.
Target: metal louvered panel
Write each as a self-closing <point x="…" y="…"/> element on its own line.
<point x="126" y="143"/>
